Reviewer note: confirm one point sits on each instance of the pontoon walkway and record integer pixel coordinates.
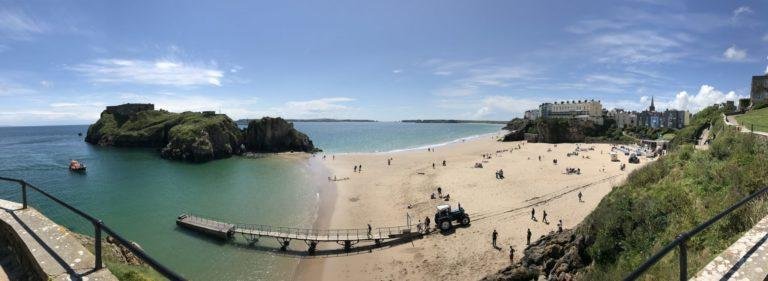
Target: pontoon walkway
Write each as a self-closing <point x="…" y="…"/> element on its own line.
<point x="252" y="232"/>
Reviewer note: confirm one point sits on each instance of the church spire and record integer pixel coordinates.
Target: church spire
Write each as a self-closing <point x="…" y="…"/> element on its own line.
<point x="652" y="108"/>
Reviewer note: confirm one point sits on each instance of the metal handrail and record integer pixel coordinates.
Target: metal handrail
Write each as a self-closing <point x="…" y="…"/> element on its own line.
<point x="683" y="237"/>
<point x="99" y="226"/>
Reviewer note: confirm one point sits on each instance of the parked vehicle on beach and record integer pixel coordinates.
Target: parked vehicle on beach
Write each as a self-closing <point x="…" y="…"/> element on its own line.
<point x="633" y="159"/>
<point x="444" y="217"/>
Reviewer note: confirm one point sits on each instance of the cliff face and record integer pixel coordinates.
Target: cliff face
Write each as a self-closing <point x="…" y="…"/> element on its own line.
<point x="201" y="139"/>
<point x="275" y="135"/>
<point x="517" y="128"/>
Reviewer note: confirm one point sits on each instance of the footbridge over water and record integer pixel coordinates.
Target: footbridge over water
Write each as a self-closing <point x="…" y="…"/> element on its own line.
<point x="284" y="235"/>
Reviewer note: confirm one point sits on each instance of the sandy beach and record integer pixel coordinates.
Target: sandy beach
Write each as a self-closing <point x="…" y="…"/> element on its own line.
<point x="381" y="194"/>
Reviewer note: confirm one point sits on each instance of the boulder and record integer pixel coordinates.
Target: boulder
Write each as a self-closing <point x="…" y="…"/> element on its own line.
<point x="556" y="256"/>
<point x="275" y="135"/>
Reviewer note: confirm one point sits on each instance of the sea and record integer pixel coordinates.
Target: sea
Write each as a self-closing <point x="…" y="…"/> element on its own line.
<point x="139" y="195"/>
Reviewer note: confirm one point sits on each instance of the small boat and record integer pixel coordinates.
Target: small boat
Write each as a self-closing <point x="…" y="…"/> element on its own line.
<point x="76" y="166"/>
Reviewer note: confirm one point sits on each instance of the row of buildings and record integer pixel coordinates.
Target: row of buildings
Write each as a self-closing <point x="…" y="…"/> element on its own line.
<point x="593" y="110"/>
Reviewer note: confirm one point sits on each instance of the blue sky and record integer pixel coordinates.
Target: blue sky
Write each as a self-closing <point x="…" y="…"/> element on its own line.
<point x="62" y="62"/>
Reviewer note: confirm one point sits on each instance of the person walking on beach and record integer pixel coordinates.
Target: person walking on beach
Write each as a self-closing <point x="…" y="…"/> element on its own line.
<point x="511" y="254"/>
<point x="355" y="169"/>
<point x="433" y="165"/>
<point x="439" y="192"/>
<point x="426" y="224"/>
<point x="494" y="236"/>
<point x="369" y="231"/>
<point x="580" y="197"/>
<point x="443" y="163"/>
<point x="533" y="214"/>
<point x="360" y="168"/>
<point x="529" y="237"/>
<point x="559" y="226"/>
<point x="544" y="217"/>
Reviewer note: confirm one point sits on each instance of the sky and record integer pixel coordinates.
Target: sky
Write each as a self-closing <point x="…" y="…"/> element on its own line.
<point x="62" y="62"/>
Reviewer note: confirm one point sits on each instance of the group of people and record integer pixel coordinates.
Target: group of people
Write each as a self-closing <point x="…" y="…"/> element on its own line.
<point x="570" y="171"/>
<point x="333" y="157"/>
<point x="389" y="161"/>
<point x="358" y="169"/>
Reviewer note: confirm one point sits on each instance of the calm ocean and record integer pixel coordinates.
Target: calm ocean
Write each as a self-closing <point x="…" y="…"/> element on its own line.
<point x="139" y="195"/>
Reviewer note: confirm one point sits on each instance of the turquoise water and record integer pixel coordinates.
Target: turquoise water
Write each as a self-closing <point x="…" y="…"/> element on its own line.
<point x="139" y="195"/>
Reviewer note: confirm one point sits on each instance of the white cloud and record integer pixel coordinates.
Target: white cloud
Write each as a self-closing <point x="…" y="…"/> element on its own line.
<point x="443" y="67"/>
<point x="706" y="96"/>
<point x="496" y="76"/>
<point x="735" y="54"/>
<point x="314" y="108"/>
<point x="158" y="72"/>
<point x="639" y="47"/>
<point x="17" y="25"/>
<point x="743" y="10"/>
<point x="509" y="106"/>
<point x="11" y="88"/>
<point x="397" y="71"/>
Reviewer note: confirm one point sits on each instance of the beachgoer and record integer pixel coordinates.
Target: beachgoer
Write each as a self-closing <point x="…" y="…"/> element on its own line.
<point x="560" y="226"/>
<point x="580" y="197"/>
<point x="433" y="196"/>
<point x="418" y="227"/>
<point x="493" y="237"/>
<point x="360" y="168"/>
<point x="426" y="224"/>
<point x="529" y="237"/>
<point x="544" y="217"/>
<point x="447" y="197"/>
<point x="497" y="174"/>
<point x="369" y="230"/>
<point x="539" y="157"/>
<point x="443" y="163"/>
<point x="389" y="162"/>
<point x="440" y="192"/>
<point x="433" y="165"/>
<point x="501" y="174"/>
<point x="511" y="254"/>
<point x="355" y="169"/>
<point x="533" y="214"/>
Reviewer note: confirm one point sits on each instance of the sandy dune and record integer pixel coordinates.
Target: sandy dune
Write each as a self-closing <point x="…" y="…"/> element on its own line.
<point x="380" y="194"/>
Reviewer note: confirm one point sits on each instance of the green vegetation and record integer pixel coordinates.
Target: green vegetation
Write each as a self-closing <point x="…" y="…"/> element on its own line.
<point x="673" y="195"/>
<point x="116" y="264"/>
<point x="757" y="119"/>
<point x="703" y="119"/>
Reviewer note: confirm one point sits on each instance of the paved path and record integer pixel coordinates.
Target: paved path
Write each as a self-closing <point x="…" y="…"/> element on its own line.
<point x="746" y="260"/>
<point x="703" y="144"/>
<point x="730" y="120"/>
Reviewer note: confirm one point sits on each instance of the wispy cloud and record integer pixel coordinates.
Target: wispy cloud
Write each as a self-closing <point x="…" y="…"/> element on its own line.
<point x="741" y="11"/>
<point x="509" y="106"/>
<point x="315" y="108"/>
<point x="17" y="25"/>
<point x="644" y="46"/>
<point x="735" y="54"/>
<point x="157" y="72"/>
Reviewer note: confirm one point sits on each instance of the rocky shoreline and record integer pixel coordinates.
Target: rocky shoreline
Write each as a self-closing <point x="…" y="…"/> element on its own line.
<point x="193" y="136"/>
<point x="555" y="256"/>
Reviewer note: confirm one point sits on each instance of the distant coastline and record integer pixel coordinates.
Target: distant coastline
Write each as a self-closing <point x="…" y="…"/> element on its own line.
<point x="453" y="121"/>
<point x="245" y="121"/>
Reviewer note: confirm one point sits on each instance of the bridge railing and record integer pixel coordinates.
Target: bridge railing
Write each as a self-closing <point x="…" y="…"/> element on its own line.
<point x="335" y="234"/>
<point x="98" y="226"/>
<point x="680" y="240"/>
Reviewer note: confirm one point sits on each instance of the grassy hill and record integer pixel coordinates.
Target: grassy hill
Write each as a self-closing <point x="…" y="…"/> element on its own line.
<point x="674" y="194"/>
<point x="757" y="119"/>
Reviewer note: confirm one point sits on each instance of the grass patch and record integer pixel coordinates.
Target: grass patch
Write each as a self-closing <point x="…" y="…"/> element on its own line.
<point x="757" y="119"/>
<point x="673" y="195"/>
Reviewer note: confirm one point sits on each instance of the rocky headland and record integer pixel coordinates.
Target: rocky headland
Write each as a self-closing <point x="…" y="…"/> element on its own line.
<point x="192" y="136"/>
<point x="555" y="130"/>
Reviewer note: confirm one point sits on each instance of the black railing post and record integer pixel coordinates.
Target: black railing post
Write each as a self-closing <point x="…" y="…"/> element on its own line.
<point x="683" y="258"/>
<point x="97" y="245"/>
<point x="24" y="194"/>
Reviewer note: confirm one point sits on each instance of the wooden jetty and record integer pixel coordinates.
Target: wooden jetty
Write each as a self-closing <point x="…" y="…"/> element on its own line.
<point x="253" y="232"/>
<point x="206" y="226"/>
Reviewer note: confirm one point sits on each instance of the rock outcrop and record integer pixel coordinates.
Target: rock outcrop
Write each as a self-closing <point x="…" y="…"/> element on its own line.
<point x="556" y="256"/>
<point x="517" y="129"/>
<point x="187" y="136"/>
<point x="192" y="136"/>
<point x="275" y="135"/>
